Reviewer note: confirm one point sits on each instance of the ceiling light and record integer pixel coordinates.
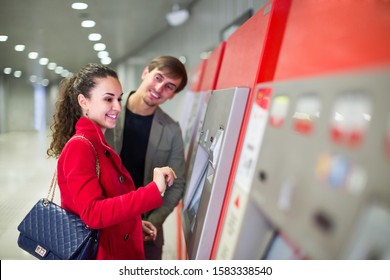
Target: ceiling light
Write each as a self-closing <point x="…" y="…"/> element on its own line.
<point x="177" y="16"/>
<point x="33" y="78"/>
<point x="88" y="23"/>
<point x="59" y="69"/>
<point x="33" y="55"/>
<point x="20" y="48"/>
<point x="102" y="54"/>
<point x="205" y="54"/>
<point x="18" y="74"/>
<point x="43" y="61"/>
<point x="3" y="38"/>
<point x="45" y="82"/>
<point x="79" y="6"/>
<point x="52" y="66"/>
<point x="183" y="59"/>
<point x="106" y="60"/>
<point x="7" y="70"/>
<point x="94" y="37"/>
<point x="99" y="47"/>
<point x="65" y="73"/>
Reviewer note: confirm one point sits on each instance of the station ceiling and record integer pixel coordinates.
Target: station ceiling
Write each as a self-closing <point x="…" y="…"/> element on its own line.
<point x="52" y="29"/>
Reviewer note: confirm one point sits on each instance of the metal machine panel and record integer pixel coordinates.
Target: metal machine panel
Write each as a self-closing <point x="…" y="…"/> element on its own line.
<point x="207" y="182"/>
<point x="318" y="176"/>
<point x="323" y="172"/>
<point x="243" y="222"/>
<point x="192" y="131"/>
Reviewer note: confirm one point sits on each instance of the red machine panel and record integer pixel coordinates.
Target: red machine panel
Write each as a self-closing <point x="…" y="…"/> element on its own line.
<point x="250" y="57"/>
<point x="197" y="76"/>
<point x="243" y="50"/>
<point x="333" y="36"/>
<point x="212" y="68"/>
<point x="322" y="37"/>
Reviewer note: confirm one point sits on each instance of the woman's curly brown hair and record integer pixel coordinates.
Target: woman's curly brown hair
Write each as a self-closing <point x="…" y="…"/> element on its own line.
<point x="68" y="110"/>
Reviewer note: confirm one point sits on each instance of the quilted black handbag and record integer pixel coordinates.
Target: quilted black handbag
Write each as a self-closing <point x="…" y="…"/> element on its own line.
<point x="51" y="233"/>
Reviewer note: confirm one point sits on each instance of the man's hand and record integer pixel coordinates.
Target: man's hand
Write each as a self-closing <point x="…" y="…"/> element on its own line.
<point x="149" y="231"/>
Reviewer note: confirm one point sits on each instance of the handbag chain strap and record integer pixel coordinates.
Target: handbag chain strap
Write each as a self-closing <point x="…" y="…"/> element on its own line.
<point x="54" y="179"/>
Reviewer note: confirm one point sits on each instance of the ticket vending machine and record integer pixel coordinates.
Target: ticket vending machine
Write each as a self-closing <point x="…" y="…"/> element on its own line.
<point x="244" y="221"/>
<point x="251" y="57"/>
<point x="320" y="178"/>
<point x="207" y="182"/>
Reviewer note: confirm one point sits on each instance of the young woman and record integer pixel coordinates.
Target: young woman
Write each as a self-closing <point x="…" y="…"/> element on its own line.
<point x="89" y="103"/>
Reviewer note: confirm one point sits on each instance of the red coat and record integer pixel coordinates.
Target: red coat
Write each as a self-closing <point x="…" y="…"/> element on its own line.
<point x="109" y="203"/>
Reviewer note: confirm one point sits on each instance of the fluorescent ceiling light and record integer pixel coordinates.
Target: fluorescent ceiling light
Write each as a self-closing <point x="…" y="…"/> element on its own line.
<point x="20" y="48"/>
<point x="3" y="38"/>
<point x="99" y="47"/>
<point x="183" y="59"/>
<point x="205" y="54"/>
<point x="45" y="82"/>
<point x="94" y="37"/>
<point x="33" y="55"/>
<point x="33" y="78"/>
<point x="52" y="66"/>
<point x="106" y="60"/>
<point x="59" y="69"/>
<point x="88" y="23"/>
<point x="43" y="61"/>
<point x="79" y="6"/>
<point x="102" y="54"/>
<point x="7" y="70"/>
<point x="176" y="16"/>
<point x="17" y="74"/>
<point x="65" y="73"/>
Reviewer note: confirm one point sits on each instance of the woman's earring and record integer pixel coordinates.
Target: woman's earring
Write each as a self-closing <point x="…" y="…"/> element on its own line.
<point x="86" y="114"/>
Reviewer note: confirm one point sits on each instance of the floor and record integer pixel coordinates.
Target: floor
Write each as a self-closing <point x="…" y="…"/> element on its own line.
<point x="25" y="175"/>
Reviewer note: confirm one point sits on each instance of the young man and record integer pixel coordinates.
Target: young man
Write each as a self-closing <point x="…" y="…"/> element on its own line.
<point x="146" y="137"/>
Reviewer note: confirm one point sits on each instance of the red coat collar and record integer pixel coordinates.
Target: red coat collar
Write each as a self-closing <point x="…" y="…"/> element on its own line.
<point x="90" y="130"/>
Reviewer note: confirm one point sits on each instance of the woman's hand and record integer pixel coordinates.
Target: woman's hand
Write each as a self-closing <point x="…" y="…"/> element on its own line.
<point x="163" y="176"/>
<point x="149" y="231"/>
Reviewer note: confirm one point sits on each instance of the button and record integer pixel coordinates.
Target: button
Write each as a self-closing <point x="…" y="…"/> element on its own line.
<point x="323" y="221"/>
<point x="126" y="236"/>
<point x="262" y="175"/>
<point x="121" y="179"/>
<point x="107" y="153"/>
